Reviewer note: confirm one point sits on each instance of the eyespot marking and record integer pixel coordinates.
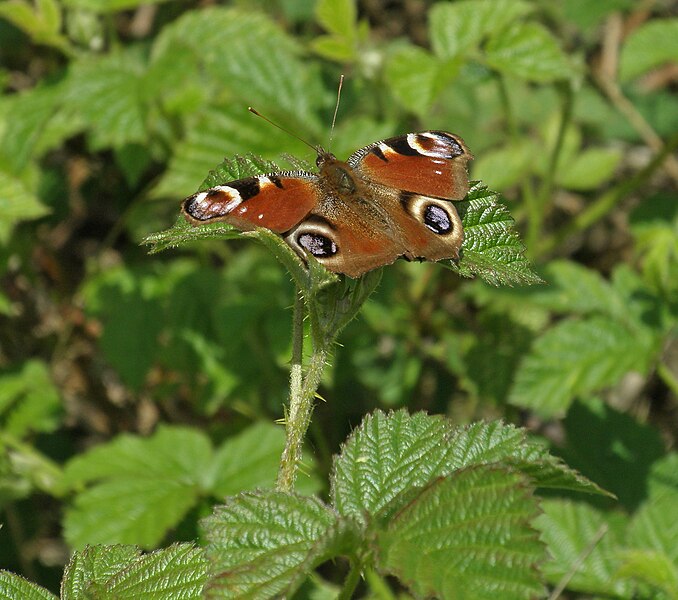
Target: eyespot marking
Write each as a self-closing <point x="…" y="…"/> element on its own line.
<point x="437" y="220"/>
<point x="317" y="245"/>
<point x="213" y="203"/>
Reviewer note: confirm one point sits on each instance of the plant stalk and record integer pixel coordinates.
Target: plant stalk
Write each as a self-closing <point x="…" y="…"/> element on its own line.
<point x="302" y="396"/>
<point x="350" y="583"/>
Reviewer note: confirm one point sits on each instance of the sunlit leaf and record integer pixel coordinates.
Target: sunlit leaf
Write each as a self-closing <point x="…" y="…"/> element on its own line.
<point x="528" y="51"/>
<point x="13" y="587"/>
<point x="468" y="535"/>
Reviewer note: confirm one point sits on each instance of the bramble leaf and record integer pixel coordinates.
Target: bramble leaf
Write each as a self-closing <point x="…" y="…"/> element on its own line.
<point x="652" y="44"/>
<point x="390" y="455"/>
<point x="456" y="28"/>
<point x="467" y="535"/>
<point x="491" y="250"/>
<point x="264" y="544"/>
<point x="528" y="51"/>
<point x="574" y="530"/>
<point x="13" y="587"/>
<point x="17" y="203"/>
<point x="29" y="400"/>
<point x="578" y="357"/>
<point x="140" y="487"/>
<point x="110" y="572"/>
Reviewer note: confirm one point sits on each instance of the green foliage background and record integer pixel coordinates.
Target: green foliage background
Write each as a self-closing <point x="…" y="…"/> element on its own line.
<point x="137" y="391"/>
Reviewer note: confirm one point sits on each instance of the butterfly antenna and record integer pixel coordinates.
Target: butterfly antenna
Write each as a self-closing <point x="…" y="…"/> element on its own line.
<point x="336" y="109"/>
<point x="287" y="131"/>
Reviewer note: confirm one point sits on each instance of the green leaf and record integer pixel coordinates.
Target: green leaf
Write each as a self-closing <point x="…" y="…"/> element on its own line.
<point x="29" y="400"/>
<point x="93" y="566"/>
<point x="222" y="131"/>
<point x="491" y="248"/>
<point x="458" y="28"/>
<point x="589" y="169"/>
<point x="388" y="456"/>
<point x="334" y="48"/>
<point x="340" y="18"/>
<point x="264" y="544"/>
<point x="578" y="534"/>
<point x="108" y="6"/>
<point x="586" y="14"/>
<point x="652" y="568"/>
<point x="650" y="45"/>
<point x="110" y="572"/>
<point x="337" y="16"/>
<point x="6" y="306"/>
<point x="654" y="225"/>
<point x="260" y="64"/>
<point x="107" y="94"/>
<point x="127" y="300"/>
<point x="13" y="587"/>
<point x="528" y="51"/>
<point x="415" y="77"/>
<point x="663" y="475"/>
<point x="654" y="526"/>
<point x="507" y="165"/>
<point x="332" y="307"/>
<point x="578" y="357"/>
<point x="23" y="137"/>
<point x="574" y="288"/>
<point x="142" y="487"/>
<point x="17" y="203"/>
<point x="42" y="23"/>
<point x="496" y="442"/>
<point x="250" y="460"/>
<point x="467" y="536"/>
<point x="183" y="232"/>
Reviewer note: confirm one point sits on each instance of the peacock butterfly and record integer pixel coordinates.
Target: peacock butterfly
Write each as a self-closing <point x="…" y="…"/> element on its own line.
<point x="393" y="198"/>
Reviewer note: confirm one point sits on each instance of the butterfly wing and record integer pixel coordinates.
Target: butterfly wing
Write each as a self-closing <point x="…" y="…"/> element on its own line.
<point x="416" y="177"/>
<point x="277" y="201"/>
<point x="343" y="241"/>
<point x="431" y="163"/>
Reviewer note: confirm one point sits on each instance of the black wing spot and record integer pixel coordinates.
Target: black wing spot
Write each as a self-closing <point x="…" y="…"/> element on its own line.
<point x="437" y="219"/>
<point x="317" y="245"/>
<point x="402" y="146"/>
<point x="276" y="181"/>
<point x="376" y="150"/>
<point x="247" y="188"/>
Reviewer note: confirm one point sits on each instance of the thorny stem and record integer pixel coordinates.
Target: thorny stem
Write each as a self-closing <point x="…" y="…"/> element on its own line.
<point x="296" y="378"/>
<point x="350" y="583"/>
<point x="302" y="396"/>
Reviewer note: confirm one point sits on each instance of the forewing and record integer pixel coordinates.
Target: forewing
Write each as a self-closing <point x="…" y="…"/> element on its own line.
<point x="277" y="202"/>
<point x="431" y="163"/>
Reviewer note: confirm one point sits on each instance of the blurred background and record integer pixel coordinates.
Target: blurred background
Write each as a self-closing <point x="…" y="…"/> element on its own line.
<point x="112" y="111"/>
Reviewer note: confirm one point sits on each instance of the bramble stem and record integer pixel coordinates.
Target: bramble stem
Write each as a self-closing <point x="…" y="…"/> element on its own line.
<point x="350" y="583"/>
<point x="302" y="396"/>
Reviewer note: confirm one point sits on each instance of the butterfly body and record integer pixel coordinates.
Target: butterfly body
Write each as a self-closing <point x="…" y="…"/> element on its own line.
<point x="391" y="199"/>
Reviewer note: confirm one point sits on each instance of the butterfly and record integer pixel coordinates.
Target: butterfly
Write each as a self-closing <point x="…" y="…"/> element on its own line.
<point x="393" y="198"/>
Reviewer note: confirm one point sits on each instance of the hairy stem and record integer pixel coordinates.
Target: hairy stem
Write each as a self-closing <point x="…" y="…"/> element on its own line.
<point x="302" y="396"/>
<point x="350" y="583"/>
